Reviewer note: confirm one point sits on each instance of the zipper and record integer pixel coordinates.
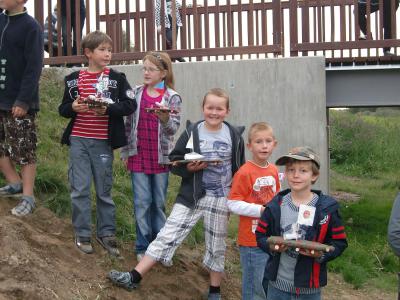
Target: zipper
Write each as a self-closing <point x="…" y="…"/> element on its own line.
<point x="4" y="30"/>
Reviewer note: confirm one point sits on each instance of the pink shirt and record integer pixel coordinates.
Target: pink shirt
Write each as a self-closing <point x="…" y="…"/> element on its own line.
<point x="146" y="160"/>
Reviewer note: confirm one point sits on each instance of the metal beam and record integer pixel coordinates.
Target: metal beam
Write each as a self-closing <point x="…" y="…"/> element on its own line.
<point x="363" y="86"/>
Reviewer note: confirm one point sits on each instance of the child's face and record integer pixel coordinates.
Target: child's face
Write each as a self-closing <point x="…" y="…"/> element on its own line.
<point x="12" y="6"/>
<point x="152" y="74"/>
<point x="100" y="57"/>
<point x="300" y="176"/>
<point x="261" y="145"/>
<point x="215" y="110"/>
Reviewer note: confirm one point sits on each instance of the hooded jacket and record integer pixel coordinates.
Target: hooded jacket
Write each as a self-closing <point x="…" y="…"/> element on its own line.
<point x="191" y="189"/>
<point x="327" y="229"/>
<point x="121" y="94"/>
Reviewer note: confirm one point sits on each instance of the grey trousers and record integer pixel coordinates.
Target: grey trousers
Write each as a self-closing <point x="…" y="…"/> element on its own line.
<point x="91" y="158"/>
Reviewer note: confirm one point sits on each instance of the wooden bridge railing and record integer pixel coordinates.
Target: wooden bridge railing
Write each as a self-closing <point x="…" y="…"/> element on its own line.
<point x="231" y="29"/>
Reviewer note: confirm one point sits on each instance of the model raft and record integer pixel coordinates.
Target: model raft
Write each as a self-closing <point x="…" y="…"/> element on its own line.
<point x="300" y="244"/>
<point x="95" y="102"/>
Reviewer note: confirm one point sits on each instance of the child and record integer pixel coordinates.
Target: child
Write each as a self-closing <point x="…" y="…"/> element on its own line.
<point x="202" y="193"/>
<point x="254" y="185"/>
<point x="150" y="140"/>
<point x="92" y="134"/>
<point x="302" y="214"/>
<point x="21" y="62"/>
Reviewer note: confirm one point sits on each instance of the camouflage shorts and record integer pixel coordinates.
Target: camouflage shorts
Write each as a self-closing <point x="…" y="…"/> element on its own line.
<point x="18" y="138"/>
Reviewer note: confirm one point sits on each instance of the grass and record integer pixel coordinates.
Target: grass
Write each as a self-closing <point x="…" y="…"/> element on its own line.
<point x="365" y="161"/>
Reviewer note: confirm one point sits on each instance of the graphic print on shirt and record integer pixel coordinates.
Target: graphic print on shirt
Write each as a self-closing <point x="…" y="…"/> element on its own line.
<point x="262" y="187"/>
<point x="216" y="178"/>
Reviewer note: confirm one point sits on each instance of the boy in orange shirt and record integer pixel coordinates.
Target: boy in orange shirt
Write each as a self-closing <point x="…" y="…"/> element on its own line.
<point x="254" y="185"/>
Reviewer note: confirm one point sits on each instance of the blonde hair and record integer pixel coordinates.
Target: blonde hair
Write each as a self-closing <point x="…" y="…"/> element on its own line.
<point x="219" y="93"/>
<point x="259" y="126"/>
<point x="163" y="62"/>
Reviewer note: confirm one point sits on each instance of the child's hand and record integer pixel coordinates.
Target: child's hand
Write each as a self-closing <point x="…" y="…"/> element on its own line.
<point x="196" y="166"/>
<point x="100" y="111"/>
<point x="163" y="116"/>
<point x="79" y="107"/>
<point x="18" y="112"/>
<point x="311" y="253"/>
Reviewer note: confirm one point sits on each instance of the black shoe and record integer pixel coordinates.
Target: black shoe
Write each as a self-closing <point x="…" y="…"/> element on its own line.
<point x="109" y="243"/>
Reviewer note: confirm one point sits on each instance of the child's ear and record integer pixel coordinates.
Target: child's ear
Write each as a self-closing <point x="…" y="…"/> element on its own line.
<point x="87" y="52"/>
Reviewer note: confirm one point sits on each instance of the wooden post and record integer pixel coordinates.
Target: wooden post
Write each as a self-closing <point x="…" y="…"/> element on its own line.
<point x="150" y="26"/>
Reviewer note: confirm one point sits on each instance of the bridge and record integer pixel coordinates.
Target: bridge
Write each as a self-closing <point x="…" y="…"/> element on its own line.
<point x="235" y="29"/>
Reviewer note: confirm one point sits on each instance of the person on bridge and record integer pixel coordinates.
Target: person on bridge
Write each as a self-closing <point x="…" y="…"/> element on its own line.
<point x="387" y="19"/>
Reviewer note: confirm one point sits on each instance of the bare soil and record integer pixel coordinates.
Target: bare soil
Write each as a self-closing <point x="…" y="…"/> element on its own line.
<point x="38" y="260"/>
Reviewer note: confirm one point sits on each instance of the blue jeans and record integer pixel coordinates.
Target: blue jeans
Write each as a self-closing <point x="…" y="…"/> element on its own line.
<point x="91" y="158"/>
<point x="253" y="261"/>
<point x="276" y="294"/>
<point x="149" y="193"/>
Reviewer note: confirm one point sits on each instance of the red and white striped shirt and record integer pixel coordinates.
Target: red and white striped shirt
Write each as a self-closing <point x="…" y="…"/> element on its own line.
<point x="87" y="124"/>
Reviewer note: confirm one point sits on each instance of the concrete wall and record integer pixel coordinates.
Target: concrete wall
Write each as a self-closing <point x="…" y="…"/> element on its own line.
<point x="288" y="93"/>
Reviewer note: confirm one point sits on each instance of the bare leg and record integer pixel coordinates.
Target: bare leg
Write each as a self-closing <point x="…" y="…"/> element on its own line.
<point x="9" y="171"/>
<point x="215" y="278"/>
<point x="145" y="265"/>
<point x="28" y="173"/>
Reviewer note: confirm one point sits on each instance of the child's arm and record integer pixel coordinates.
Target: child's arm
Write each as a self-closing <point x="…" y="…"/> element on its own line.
<point x="66" y="108"/>
<point x="33" y="55"/>
<point x="336" y="237"/>
<point x="184" y="170"/>
<point x="171" y="126"/>
<point x="126" y="103"/>
<point x="241" y="189"/>
<point x="263" y="231"/>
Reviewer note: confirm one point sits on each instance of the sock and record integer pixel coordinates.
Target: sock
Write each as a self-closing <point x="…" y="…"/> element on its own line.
<point x="215" y="289"/>
<point x="136" y="277"/>
<point x="16" y="186"/>
<point x="30" y="199"/>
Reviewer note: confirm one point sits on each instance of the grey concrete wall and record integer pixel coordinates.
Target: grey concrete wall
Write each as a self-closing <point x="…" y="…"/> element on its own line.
<point x="288" y="93"/>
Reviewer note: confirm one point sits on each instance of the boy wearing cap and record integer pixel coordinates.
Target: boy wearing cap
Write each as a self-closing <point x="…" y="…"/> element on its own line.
<point x="300" y="213"/>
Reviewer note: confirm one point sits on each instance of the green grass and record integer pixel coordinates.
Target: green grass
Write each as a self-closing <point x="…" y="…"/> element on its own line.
<point x="365" y="162"/>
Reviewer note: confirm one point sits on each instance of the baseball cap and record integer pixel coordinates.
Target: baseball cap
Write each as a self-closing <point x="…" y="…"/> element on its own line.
<point x="299" y="153"/>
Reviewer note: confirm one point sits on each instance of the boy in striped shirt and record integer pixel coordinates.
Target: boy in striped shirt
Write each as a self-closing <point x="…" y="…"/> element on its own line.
<point x="92" y="134"/>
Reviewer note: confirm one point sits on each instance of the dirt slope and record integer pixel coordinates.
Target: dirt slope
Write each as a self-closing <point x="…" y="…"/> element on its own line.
<point x="38" y="260"/>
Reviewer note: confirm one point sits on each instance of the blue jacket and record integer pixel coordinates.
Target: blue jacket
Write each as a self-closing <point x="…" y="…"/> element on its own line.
<point x="21" y="61"/>
<point x="327" y="229"/>
<point x="191" y="189"/>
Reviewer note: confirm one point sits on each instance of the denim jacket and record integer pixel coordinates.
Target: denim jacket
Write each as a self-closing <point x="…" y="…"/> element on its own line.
<point x="166" y="131"/>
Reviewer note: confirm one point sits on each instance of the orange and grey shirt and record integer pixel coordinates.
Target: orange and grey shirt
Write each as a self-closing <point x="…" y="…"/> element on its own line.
<point x="252" y="187"/>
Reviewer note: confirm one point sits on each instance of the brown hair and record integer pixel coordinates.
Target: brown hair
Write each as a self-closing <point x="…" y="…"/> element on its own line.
<point x="163" y="62"/>
<point x="94" y="39"/>
<point x="314" y="166"/>
<point x="259" y="126"/>
<point x="219" y="93"/>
